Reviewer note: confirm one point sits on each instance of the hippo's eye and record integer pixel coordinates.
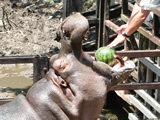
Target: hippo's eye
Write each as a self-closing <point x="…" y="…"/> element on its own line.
<point x="67" y="34"/>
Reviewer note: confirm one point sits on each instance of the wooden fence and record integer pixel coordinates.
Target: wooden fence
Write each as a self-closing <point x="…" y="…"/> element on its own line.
<point x="147" y="75"/>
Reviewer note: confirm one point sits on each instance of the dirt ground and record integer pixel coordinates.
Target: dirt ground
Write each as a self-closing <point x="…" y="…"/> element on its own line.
<point x="28" y="29"/>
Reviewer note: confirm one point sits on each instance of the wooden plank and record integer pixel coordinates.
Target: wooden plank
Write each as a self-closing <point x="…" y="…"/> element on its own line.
<point x="142" y="108"/>
<point x="136" y="53"/>
<point x="151" y="101"/>
<point x="132" y="116"/>
<point x="89" y="13"/>
<point x="136" y="86"/>
<point x="16" y="59"/>
<point x="111" y="25"/>
<point x="139" y="53"/>
<point x="151" y="65"/>
<point x="123" y="95"/>
<point x="130" y="99"/>
<point x="93" y="21"/>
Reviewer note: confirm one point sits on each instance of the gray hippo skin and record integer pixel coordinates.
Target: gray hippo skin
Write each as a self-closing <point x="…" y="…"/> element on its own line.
<point x="89" y="87"/>
<point x="44" y="101"/>
<point x="89" y="80"/>
<point x="18" y="109"/>
<point x="74" y="88"/>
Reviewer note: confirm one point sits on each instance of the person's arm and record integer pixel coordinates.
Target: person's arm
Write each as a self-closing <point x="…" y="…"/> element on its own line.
<point x="137" y="18"/>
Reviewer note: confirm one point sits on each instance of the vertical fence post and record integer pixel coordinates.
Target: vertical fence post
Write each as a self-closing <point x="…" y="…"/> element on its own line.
<point x="40" y="66"/>
<point x="106" y="17"/>
<point x="155" y="31"/>
<point x="66" y="9"/>
<point x="97" y="25"/>
<point x="70" y="6"/>
<point x="125" y="7"/>
<point x="103" y="6"/>
<point x="125" y="11"/>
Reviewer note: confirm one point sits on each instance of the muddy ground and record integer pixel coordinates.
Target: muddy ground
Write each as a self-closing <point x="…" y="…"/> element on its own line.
<point x="28" y="29"/>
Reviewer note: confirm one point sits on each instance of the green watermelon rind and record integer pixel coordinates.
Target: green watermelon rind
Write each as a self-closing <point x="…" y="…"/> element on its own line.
<point x="106" y="55"/>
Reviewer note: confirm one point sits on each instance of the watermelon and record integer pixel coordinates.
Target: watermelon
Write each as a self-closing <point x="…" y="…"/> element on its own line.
<point x="106" y="55"/>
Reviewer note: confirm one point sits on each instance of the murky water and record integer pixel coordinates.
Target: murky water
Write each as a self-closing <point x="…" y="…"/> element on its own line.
<point x="15" y="82"/>
<point x="15" y="79"/>
<point x="16" y="75"/>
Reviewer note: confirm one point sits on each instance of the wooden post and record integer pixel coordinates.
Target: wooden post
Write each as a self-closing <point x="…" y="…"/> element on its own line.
<point x="70" y="6"/>
<point x="125" y="11"/>
<point x="103" y="14"/>
<point x="141" y="67"/>
<point x="66" y="9"/>
<point x="97" y="25"/>
<point x="125" y="7"/>
<point x="40" y="67"/>
<point x="143" y="42"/>
<point x="155" y="31"/>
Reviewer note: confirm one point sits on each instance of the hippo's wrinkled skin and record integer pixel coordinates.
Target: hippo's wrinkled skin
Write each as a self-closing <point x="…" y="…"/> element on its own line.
<point x="89" y="87"/>
<point x="44" y="101"/>
<point x="18" y="109"/>
<point x="74" y="88"/>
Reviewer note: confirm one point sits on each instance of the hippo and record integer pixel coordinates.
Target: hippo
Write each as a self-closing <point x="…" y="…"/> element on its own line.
<point x="74" y="88"/>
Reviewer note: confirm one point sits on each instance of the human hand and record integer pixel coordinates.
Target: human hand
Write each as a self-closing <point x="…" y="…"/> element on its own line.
<point x="122" y="28"/>
<point x="119" y="39"/>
